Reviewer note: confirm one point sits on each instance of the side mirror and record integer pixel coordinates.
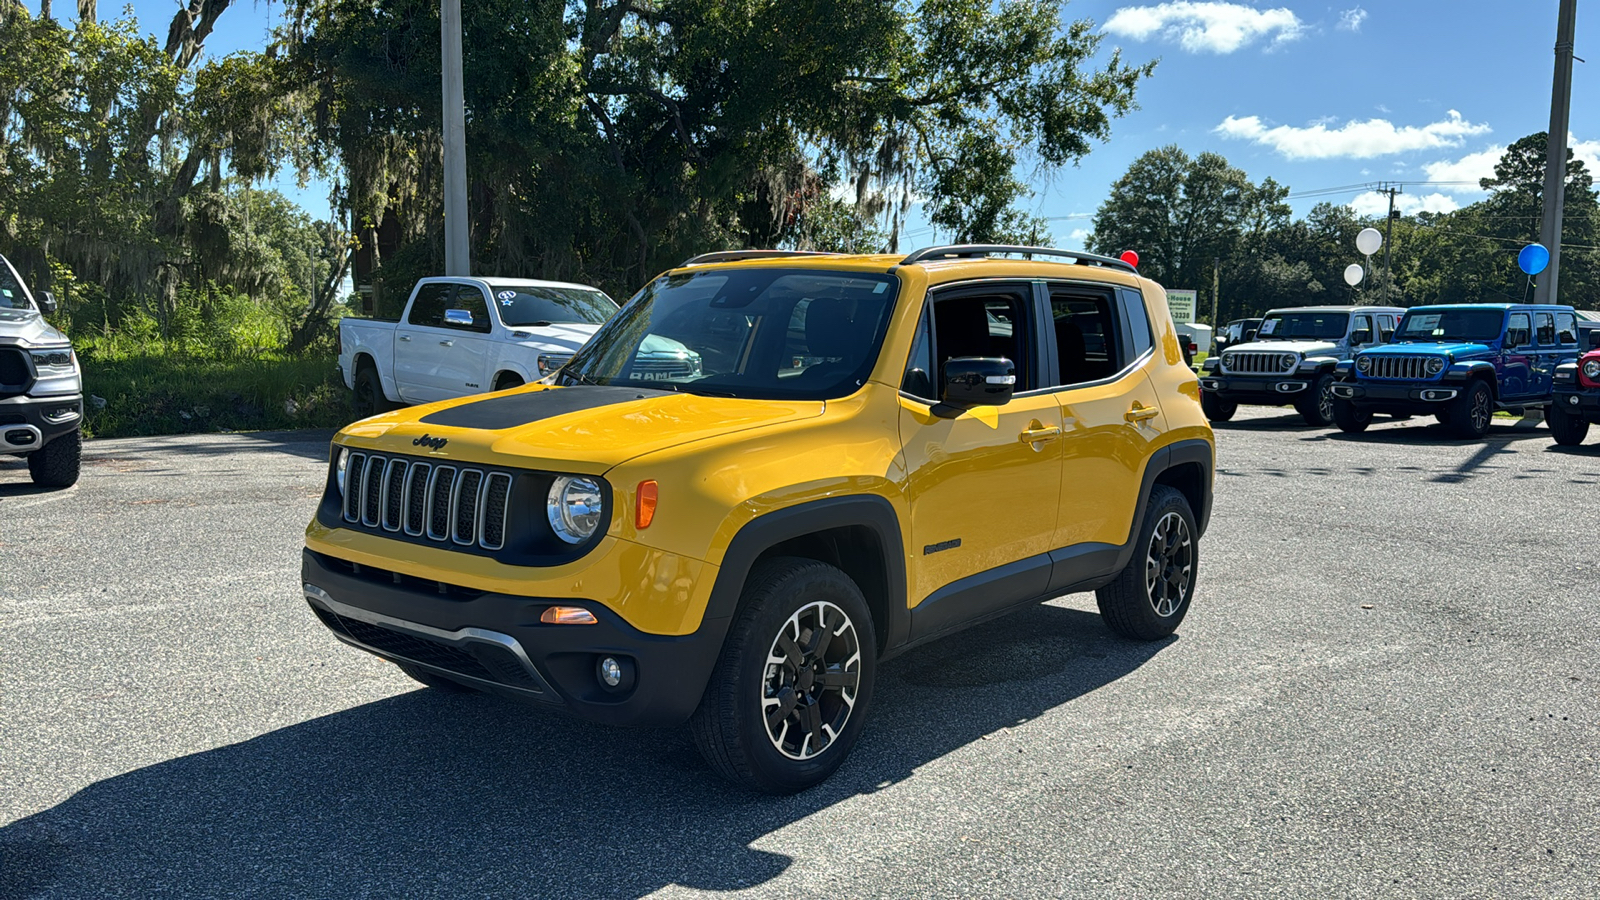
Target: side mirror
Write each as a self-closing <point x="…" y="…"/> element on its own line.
<point x="976" y="381"/>
<point x="458" y="317"/>
<point x="1516" y="339"/>
<point x="1594" y="339"/>
<point x="1364" y="336"/>
<point x="47" y="302"/>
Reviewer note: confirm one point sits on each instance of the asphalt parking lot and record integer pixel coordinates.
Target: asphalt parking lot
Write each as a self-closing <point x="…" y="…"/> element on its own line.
<point x="1389" y="685"/>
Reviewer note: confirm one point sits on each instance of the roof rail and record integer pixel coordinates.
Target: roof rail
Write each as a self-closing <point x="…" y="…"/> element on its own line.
<point x="737" y="255"/>
<point x="969" y="251"/>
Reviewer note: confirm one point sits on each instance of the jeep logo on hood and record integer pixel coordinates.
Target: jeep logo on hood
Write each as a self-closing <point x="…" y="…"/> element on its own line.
<point x="432" y="443"/>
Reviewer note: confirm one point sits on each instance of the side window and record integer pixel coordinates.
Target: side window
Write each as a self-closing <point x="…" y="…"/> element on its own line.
<point x="1518" y="333"/>
<point x="990" y="324"/>
<point x="918" y="380"/>
<point x="1385" y="328"/>
<point x="1566" y="328"/>
<point x="1088" y="344"/>
<point x="469" y="300"/>
<point x="428" y="307"/>
<point x="1136" y="324"/>
<point x="1362" y="323"/>
<point x="1547" y="329"/>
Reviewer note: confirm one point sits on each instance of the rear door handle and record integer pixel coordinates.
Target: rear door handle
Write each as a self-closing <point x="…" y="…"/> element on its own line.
<point x="405" y="337"/>
<point x="447" y="343"/>
<point x="1142" y="413"/>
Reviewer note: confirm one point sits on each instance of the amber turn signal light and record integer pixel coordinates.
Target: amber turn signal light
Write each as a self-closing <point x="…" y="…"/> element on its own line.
<point x="644" y="508"/>
<point x="567" y="615"/>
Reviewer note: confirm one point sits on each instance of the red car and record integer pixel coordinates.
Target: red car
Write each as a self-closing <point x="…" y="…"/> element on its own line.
<point x="1576" y="403"/>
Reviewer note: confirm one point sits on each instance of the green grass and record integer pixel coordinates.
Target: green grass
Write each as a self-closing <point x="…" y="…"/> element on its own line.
<point x="152" y="393"/>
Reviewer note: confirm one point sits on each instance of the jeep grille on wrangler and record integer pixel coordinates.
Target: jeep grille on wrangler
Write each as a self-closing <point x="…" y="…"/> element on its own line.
<point x="1409" y="368"/>
<point x="1248" y="362"/>
<point x="444" y="503"/>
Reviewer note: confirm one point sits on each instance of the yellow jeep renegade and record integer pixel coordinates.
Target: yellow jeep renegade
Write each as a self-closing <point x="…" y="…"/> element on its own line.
<point x="768" y="473"/>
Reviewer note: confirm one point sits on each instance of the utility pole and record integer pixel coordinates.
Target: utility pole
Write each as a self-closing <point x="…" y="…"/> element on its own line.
<point x="1555" y="172"/>
<point x="1388" y="239"/>
<point x="1216" y="297"/>
<point x="457" y="244"/>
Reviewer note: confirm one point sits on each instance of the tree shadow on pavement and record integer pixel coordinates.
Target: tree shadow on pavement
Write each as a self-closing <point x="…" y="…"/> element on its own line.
<point x="433" y="794"/>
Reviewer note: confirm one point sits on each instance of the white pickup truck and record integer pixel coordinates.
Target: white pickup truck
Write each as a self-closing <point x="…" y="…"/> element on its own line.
<point x="461" y="336"/>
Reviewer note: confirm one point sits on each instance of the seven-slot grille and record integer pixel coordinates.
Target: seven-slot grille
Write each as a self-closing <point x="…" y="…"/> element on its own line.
<point x="1247" y="362"/>
<point x="1398" y="367"/>
<point x="444" y="503"/>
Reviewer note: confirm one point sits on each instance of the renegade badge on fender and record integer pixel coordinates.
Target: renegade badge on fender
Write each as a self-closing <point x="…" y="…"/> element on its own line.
<point x="875" y="451"/>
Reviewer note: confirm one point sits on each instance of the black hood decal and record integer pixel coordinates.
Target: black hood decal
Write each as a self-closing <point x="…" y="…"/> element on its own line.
<point x="498" y="413"/>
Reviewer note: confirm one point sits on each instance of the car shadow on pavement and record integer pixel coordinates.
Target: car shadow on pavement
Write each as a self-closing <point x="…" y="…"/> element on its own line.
<point x="434" y="794"/>
<point x="311" y="443"/>
<point x="1289" y="421"/>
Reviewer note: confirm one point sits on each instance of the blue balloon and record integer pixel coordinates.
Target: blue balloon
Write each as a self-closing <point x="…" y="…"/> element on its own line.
<point x="1533" y="259"/>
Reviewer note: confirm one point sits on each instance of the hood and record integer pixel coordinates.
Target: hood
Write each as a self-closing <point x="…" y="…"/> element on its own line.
<point x="1453" y="349"/>
<point x="580" y="428"/>
<point x="28" y="327"/>
<point x="1304" y="348"/>
<point x="563" y="337"/>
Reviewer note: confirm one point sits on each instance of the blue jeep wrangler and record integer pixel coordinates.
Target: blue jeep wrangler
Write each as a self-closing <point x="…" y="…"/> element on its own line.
<point x="1460" y="364"/>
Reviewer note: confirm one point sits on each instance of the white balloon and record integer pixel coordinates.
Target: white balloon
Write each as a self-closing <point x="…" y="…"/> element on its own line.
<point x="1369" y="241"/>
<point x="1353" y="274"/>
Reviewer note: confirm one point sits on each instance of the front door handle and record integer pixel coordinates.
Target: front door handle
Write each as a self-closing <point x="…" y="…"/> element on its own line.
<point x="1141" y="413"/>
<point x="1038" y="434"/>
<point x="447" y="343"/>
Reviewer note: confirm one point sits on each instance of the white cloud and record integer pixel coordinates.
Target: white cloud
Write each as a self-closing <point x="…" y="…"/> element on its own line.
<point x="1588" y="151"/>
<point x="1205" y="27"/>
<point x="1355" y="140"/>
<point x="1351" y="19"/>
<point x="1373" y="203"/>
<point x="1468" y="169"/>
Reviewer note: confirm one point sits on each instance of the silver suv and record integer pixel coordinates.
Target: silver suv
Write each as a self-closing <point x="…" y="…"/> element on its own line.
<point x="1292" y="359"/>
<point x="41" y="393"/>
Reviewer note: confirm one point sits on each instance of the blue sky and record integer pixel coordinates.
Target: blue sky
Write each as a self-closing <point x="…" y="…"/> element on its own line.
<point x="1316" y="95"/>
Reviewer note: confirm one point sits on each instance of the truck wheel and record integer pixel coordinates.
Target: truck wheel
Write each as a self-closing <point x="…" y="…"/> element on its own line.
<point x="57" y="463"/>
<point x="1317" y="408"/>
<point x="789" y="693"/>
<point x="1349" y="418"/>
<point x="507" y="381"/>
<point x="434" y="680"/>
<point x="1471" y="412"/>
<point x="1217" y="409"/>
<point x="1151" y="594"/>
<point x="367" y="399"/>
<point x="1569" y="430"/>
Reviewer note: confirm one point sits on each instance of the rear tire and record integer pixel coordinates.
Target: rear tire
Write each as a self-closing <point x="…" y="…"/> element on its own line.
<point x="1349" y="418"/>
<point x="790" y="692"/>
<point x="1151" y="594"/>
<point x="1317" y="409"/>
<point x="1471" y="413"/>
<point x="58" y="463"/>
<point x="1569" y="430"/>
<point x="367" y="397"/>
<point x="434" y="680"/>
<point x="1217" y="409"/>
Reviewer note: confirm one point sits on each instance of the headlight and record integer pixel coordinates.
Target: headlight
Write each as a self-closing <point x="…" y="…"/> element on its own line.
<point x="1591" y="370"/>
<point x="341" y="458"/>
<point x="1288" y="362"/>
<point x="1364" y="363"/>
<point x="575" y="507"/>
<point x="1435" y="366"/>
<point x="55" y="358"/>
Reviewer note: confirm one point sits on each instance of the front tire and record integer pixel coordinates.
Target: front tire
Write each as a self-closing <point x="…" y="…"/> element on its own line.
<point x="789" y="694"/>
<point x="1317" y="409"/>
<point x="1216" y="408"/>
<point x="1349" y="418"/>
<point x="58" y="463"/>
<point x="1471" y="413"/>
<point x="1569" y="430"/>
<point x="1151" y="594"/>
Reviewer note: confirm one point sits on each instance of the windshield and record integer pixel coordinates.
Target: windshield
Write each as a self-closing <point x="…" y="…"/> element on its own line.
<point x="1302" y="326"/>
<point x="12" y="296"/>
<point x="522" y="305"/>
<point x="772" y="334"/>
<point x="1451" y="325"/>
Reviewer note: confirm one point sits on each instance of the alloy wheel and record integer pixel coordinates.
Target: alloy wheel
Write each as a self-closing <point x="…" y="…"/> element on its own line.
<point x="1169" y="565"/>
<point x="812" y="678"/>
<point x="1325" y="402"/>
<point x="1481" y="413"/>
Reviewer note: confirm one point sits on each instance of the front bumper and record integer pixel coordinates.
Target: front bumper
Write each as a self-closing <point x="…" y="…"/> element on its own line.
<point x="1426" y="399"/>
<point x="496" y="643"/>
<point x="1276" y="390"/>
<point x="28" y="423"/>
<point x="1583" y="402"/>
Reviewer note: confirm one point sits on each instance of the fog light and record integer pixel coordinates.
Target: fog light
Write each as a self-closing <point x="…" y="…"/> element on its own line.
<point x="567" y="615"/>
<point x="1573" y="400"/>
<point x="611" y="672"/>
